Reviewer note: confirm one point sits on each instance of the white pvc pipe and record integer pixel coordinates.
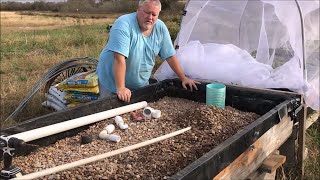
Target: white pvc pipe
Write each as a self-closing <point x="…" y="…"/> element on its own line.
<point x="78" y="122"/>
<point x="99" y="157"/>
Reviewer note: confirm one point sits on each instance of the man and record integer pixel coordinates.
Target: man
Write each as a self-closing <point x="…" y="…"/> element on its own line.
<point x="135" y="40"/>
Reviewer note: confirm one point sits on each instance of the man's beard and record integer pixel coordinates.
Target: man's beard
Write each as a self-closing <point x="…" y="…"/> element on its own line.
<point x="147" y="26"/>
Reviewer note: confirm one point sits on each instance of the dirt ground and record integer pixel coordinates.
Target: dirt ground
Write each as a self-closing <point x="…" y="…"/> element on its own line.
<point x="210" y="127"/>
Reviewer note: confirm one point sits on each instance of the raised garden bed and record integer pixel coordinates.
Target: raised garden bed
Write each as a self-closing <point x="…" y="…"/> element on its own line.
<point x="164" y="159"/>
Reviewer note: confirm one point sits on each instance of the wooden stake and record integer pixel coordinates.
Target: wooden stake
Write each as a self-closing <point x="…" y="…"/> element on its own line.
<point x="302" y="139"/>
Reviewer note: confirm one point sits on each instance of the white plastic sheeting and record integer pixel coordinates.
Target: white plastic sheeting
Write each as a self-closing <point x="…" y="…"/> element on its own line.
<point x="251" y="43"/>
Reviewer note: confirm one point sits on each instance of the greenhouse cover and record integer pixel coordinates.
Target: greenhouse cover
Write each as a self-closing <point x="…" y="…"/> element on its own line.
<point x="255" y="43"/>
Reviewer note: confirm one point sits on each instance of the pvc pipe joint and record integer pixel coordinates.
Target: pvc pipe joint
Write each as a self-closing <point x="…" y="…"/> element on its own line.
<point x="119" y="121"/>
<point x="103" y="134"/>
<point x="123" y="126"/>
<point x="110" y="128"/>
<point x="149" y="112"/>
<point x="156" y="114"/>
<point x="112" y="137"/>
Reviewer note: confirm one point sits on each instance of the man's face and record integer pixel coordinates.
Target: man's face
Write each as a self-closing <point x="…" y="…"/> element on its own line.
<point x="147" y="15"/>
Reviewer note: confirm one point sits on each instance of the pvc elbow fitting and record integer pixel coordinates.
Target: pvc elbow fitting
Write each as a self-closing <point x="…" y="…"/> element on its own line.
<point x="123" y="126"/>
<point x="103" y="134"/>
<point x="149" y="112"/>
<point x="120" y="123"/>
<point x="112" y="137"/>
<point x="110" y="128"/>
<point x="118" y="120"/>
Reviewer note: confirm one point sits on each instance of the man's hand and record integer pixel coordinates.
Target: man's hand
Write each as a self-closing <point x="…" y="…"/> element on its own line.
<point x="124" y="94"/>
<point x="175" y="66"/>
<point x="189" y="82"/>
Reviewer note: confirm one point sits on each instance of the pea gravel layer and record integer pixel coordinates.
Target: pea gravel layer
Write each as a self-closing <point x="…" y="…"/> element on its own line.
<point x="210" y="127"/>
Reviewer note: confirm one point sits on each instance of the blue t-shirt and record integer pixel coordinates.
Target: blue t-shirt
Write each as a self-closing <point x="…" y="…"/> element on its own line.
<point x="140" y="51"/>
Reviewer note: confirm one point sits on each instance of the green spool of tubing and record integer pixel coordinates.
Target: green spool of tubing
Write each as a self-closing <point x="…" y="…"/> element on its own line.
<point x="216" y="95"/>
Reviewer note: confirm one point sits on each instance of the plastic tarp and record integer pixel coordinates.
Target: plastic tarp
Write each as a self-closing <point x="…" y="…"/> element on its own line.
<point x="251" y="43"/>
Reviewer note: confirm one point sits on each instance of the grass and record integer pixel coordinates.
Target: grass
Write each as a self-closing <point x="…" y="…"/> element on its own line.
<point x="312" y="169"/>
<point x="13" y="21"/>
<point x="27" y="53"/>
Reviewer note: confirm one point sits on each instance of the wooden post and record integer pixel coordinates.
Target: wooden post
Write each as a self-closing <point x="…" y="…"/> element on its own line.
<point x="250" y="160"/>
<point x="289" y="150"/>
<point x="301" y="139"/>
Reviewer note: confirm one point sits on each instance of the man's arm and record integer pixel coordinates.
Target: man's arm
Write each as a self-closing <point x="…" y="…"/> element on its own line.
<point x="119" y="67"/>
<point x="176" y="67"/>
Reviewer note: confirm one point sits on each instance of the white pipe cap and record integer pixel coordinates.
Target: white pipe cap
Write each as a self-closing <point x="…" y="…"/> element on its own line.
<point x="156" y="114"/>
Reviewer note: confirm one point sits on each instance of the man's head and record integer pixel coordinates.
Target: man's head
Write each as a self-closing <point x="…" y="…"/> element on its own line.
<point x="147" y="13"/>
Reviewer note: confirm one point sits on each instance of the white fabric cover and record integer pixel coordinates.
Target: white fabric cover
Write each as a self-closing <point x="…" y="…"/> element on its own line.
<point x="251" y="43"/>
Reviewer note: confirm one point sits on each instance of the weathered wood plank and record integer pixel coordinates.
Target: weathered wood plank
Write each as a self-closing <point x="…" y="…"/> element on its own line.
<point x="261" y="174"/>
<point x="272" y="163"/>
<point x="252" y="158"/>
<point x="257" y="175"/>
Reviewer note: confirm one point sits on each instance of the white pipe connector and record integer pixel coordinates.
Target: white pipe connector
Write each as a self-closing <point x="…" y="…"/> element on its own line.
<point x="103" y="134"/>
<point x="149" y="112"/>
<point x="112" y="137"/>
<point x="156" y="114"/>
<point x="123" y="126"/>
<point x="119" y="121"/>
<point x="110" y="128"/>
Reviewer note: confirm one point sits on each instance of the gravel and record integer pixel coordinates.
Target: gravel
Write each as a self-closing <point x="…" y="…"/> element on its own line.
<point x="210" y="127"/>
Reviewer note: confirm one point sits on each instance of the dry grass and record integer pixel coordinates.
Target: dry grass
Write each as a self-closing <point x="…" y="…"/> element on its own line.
<point x="31" y="45"/>
<point x="312" y="170"/>
<point x="12" y="21"/>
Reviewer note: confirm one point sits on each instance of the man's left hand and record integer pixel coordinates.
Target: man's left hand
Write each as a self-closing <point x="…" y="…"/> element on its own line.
<point x="189" y="82"/>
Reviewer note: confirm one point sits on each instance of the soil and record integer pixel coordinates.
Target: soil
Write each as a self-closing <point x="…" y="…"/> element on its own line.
<point x="210" y="127"/>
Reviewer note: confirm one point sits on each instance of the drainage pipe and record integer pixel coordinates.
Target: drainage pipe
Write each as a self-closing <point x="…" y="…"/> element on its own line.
<point x="78" y="122"/>
<point x="100" y="157"/>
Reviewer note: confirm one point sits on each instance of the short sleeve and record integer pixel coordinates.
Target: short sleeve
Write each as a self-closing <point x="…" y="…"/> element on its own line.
<point x="166" y="49"/>
<point x="119" y="38"/>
